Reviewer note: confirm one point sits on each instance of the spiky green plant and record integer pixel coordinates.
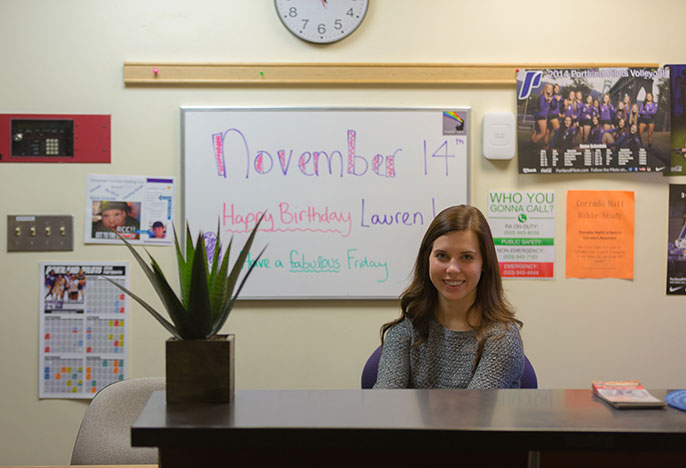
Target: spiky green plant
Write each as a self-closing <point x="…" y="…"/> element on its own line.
<point x="207" y="291"/>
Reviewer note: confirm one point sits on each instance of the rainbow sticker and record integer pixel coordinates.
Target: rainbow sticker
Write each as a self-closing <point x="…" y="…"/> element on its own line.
<point x="453" y="115"/>
<point x="453" y="123"/>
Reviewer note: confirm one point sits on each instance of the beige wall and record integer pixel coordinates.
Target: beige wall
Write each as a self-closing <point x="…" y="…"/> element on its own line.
<point x="66" y="57"/>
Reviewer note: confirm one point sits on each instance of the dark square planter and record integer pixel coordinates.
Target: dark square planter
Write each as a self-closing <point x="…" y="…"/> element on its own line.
<point x="200" y="371"/>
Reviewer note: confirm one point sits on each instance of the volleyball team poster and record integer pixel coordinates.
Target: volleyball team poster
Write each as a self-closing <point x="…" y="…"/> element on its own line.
<point x="593" y="120"/>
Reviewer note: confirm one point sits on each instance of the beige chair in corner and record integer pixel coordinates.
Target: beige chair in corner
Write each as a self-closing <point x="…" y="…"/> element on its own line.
<point x="104" y="437"/>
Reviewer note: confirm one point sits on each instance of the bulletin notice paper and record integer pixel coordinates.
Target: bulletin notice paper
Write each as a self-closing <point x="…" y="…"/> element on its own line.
<point x="83" y="328"/>
<point x="523" y="228"/>
<point x="600" y="234"/>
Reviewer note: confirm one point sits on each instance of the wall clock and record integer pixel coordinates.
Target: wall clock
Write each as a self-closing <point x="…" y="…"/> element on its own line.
<point x="321" y="21"/>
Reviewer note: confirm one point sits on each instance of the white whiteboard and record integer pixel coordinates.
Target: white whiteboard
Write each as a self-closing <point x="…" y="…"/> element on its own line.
<point x="349" y="192"/>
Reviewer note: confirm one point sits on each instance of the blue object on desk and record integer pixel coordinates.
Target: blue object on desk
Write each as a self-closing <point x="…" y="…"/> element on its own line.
<point x="677" y="399"/>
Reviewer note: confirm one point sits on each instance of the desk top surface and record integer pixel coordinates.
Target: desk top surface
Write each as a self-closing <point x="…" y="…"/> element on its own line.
<point x="78" y="466"/>
<point x="330" y="413"/>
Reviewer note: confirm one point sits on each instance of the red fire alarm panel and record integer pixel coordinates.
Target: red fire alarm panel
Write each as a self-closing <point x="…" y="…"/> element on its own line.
<point x="55" y="138"/>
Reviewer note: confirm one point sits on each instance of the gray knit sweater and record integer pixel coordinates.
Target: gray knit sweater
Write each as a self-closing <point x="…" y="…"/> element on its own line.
<point x="446" y="358"/>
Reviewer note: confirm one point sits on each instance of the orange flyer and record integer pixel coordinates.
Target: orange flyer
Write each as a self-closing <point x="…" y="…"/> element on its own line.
<point x="600" y="234"/>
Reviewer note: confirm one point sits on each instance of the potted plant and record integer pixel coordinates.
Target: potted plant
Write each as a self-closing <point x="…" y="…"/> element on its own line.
<point x="199" y="361"/>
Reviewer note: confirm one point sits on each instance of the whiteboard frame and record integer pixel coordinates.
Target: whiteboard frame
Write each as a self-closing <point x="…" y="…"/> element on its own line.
<point x="182" y="178"/>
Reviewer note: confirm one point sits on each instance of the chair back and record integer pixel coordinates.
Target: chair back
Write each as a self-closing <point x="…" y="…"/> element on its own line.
<point x="371" y="369"/>
<point x="104" y="437"/>
<point x="529" y="379"/>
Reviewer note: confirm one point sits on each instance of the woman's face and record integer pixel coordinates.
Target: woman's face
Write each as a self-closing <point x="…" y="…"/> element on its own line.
<point x="594" y="119"/>
<point x="595" y="103"/>
<point x="606" y="99"/>
<point x="113" y="218"/>
<point x="556" y="89"/>
<point x="621" y="123"/>
<point x="455" y="264"/>
<point x="568" y="121"/>
<point x="589" y="100"/>
<point x="572" y="95"/>
<point x="649" y="97"/>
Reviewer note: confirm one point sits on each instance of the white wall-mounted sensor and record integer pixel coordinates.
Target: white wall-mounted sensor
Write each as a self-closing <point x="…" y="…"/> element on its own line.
<point x="499" y="135"/>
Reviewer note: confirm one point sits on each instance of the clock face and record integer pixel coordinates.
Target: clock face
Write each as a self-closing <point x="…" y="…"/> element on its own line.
<point x="321" y="21"/>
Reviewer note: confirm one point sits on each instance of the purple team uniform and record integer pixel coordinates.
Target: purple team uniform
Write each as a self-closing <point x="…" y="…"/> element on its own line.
<point x="573" y="112"/>
<point x="586" y="114"/>
<point x="555" y="105"/>
<point x="563" y="139"/>
<point x="646" y="113"/>
<point x="606" y="112"/>
<point x="596" y="135"/>
<point x="626" y="140"/>
<point x="543" y="108"/>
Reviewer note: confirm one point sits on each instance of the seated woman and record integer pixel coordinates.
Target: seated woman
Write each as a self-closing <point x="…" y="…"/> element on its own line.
<point x="563" y="139"/>
<point x="630" y="140"/>
<point x="597" y="132"/>
<point x="613" y="134"/>
<point x="456" y="329"/>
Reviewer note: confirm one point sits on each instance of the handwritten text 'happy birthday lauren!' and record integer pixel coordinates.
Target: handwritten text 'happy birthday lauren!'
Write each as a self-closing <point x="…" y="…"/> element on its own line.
<point x="286" y="215"/>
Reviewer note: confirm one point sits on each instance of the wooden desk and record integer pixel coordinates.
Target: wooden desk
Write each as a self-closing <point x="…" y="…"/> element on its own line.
<point x="408" y="425"/>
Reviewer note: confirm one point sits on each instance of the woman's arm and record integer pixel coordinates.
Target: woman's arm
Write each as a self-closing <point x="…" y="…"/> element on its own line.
<point x="502" y="361"/>
<point x="394" y="366"/>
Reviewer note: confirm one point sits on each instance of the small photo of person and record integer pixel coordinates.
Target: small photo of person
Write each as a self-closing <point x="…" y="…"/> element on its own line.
<point x="50" y="280"/>
<point x="80" y="279"/>
<point x="115" y="216"/>
<point x="158" y="230"/>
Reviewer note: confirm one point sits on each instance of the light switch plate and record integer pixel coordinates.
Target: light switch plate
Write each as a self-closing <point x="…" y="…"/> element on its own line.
<point x="40" y="233"/>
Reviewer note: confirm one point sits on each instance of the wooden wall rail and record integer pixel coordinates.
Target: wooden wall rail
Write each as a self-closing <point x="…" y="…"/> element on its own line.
<point x="329" y="74"/>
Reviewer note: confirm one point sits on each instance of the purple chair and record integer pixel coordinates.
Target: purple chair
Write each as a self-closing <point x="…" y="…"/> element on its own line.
<point x="529" y="379"/>
<point x="371" y="369"/>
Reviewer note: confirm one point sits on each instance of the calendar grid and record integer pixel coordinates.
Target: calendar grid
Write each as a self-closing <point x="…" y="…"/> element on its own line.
<point x="83" y="328"/>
